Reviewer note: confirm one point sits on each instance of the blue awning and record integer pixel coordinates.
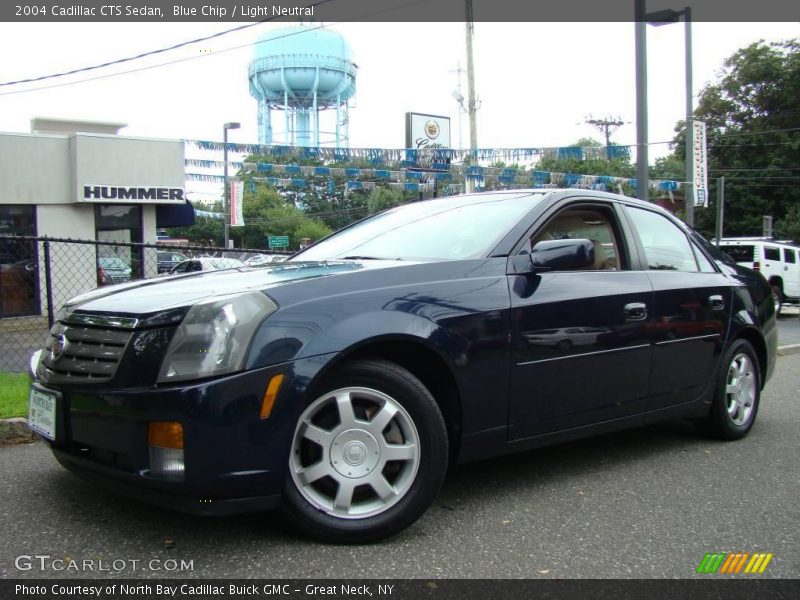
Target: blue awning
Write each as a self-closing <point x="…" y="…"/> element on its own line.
<point x="174" y="215"/>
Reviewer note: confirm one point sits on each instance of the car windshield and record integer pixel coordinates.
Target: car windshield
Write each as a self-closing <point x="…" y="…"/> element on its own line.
<point x="440" y="229"/>
<point x="112" y="262"/>
<point x="225" y="263"/>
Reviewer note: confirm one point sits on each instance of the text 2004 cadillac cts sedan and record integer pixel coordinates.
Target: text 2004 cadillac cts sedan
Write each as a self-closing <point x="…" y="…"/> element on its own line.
<point x="343" y="382"/>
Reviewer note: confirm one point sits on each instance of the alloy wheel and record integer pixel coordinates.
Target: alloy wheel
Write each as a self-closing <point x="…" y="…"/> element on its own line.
<point x="740" y="389"/>
<point x="355" y="453"/>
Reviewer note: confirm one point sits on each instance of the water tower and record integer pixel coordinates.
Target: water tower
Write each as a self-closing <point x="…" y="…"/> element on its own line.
<point x="302" y="71"/>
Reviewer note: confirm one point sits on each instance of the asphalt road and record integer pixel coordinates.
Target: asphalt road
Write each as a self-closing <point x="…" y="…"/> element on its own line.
<point x="644" y="503"/>
<point x="789" y="327"/>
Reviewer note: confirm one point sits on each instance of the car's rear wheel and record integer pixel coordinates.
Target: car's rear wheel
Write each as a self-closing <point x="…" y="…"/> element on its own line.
<point x="368" y="455"/>
<point x="737" y="394"/>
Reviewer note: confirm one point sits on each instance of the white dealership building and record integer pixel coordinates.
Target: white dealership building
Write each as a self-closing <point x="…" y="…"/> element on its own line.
<point x="83" y="181"/>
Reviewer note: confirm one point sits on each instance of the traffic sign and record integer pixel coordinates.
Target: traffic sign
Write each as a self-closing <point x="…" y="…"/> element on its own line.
<point x="278" y="241"/>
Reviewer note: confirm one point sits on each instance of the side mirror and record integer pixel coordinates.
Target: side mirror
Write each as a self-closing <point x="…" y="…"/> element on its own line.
<point x="562" y="255"/>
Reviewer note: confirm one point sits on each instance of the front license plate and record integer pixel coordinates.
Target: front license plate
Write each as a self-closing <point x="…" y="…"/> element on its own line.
<point x="42" y="412"/>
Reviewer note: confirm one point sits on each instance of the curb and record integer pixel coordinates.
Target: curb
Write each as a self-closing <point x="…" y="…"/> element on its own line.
<point x="788" y="349"/>
<point x="15" y="431"/>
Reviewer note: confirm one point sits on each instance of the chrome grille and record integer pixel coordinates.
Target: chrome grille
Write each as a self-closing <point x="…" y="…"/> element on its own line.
<point x="80" y="354"/>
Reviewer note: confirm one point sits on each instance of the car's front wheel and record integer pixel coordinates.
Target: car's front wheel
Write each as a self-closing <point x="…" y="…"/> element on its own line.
<point x="368" y="454"/>
<point x="737" y="394"/>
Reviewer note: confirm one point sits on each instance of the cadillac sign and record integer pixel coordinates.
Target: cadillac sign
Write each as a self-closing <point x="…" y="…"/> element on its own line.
<point x="427" y="131"/>
<point x="132" y="194"/>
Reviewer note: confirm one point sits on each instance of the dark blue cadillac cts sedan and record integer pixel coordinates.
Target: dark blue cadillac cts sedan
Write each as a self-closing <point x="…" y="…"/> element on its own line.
<point x="342" y="383"/>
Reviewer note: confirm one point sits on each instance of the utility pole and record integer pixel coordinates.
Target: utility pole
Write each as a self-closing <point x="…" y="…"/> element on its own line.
<point x="642" y="189"/>
<point x="471" y="106"/>
<point x="607" y="127"/>
<point x="227" y="199"/>
<point x="460" y="99"/>
<point x="720" y="210"/>
<point x="687" y="39"/>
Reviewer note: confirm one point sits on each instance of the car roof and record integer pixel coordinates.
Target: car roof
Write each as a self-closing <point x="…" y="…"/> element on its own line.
<point x="564" y="192"/>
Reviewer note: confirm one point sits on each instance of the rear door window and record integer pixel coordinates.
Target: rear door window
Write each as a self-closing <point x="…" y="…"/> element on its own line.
<point x="772" y="253"/>
<point x="666" y="247"/>
<point x="703" y="262"/>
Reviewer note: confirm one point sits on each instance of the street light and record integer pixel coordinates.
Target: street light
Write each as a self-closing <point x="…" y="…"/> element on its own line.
<point x="665" y="17"/>
<point x="660" y="17"/>
<point x="227" y="199"/>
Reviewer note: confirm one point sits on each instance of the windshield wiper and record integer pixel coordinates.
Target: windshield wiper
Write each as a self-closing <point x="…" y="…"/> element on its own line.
<point x="360" y="258"/>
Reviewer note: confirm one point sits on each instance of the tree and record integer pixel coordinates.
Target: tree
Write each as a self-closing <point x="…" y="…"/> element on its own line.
<point x="312" y="229"/>
<point x="789" y="226"/>
<point x="751" y="117"/>
<point x="205" y="232"/>
<point x="382" y="198"/>
<point x="617" y="166"/>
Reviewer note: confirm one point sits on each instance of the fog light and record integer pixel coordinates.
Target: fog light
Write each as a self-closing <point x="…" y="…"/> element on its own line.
<point x="166" y="450"/>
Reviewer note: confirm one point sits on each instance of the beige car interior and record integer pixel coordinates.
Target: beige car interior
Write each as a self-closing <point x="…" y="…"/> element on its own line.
<point x="585" y="224"/>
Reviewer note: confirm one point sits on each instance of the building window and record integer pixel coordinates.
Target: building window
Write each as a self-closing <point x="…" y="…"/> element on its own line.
<point x="19" y="281"/>
<point x="122" y="224"/>
<point x="17" y="219"/>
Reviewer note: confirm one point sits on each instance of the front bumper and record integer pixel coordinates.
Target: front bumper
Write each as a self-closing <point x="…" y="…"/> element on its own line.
<point x="131" y="485"/>
<point x="234" y="460"/>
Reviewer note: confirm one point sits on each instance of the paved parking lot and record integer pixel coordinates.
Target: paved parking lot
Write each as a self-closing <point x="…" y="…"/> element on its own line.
<point x="789" y="326"/>
<point x="639" y="504"/>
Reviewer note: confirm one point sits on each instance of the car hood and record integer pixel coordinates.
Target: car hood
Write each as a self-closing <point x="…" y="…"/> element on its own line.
<point x="164" y="293"/>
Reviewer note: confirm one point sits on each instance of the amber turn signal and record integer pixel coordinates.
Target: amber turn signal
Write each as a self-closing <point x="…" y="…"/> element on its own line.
<point x="269" y="396"/>
<point x="165" y="434"/>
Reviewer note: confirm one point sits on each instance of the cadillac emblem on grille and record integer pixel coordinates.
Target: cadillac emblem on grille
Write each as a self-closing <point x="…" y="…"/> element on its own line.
<point x="59" y="347"/>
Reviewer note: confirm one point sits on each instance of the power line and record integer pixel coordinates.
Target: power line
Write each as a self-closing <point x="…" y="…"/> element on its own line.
<point x="163" y="64"/>
<point x="367" y="15"/>
<point x="761" y="169"/>
<point x="727" y="178"/>
<point x="149" y="53"/>
<point x="744" y="133"/>
<point x="760" y="185"/>
<point x="607" y="126"/>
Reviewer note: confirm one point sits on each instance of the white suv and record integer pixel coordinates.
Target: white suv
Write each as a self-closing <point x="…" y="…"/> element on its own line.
<point x="778" y="261"/>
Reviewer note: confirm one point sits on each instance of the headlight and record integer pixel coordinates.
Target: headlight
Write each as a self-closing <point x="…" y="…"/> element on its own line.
<point x="63" y="312"/>
<point x="214" y="336"/>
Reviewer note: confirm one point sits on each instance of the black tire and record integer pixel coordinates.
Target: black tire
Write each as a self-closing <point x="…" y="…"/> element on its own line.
<point x="726" y="420"/>
<point x="302" y="499"/>
<point x="777" y="295"/>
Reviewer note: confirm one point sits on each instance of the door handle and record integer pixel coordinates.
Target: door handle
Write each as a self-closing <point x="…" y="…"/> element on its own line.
<point x="635" y="311"/>
<point x="716" y="303"/>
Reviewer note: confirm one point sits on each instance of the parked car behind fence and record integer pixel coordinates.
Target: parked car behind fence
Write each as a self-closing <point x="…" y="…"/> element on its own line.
<point x="37" y="275"/>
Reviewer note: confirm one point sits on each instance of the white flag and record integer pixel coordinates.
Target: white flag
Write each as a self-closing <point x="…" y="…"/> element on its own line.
<point x="237" y="194"/>
<point x="699" y="164"/>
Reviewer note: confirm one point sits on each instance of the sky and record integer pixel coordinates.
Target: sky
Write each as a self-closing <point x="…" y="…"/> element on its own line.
<point x="536" y="82"/>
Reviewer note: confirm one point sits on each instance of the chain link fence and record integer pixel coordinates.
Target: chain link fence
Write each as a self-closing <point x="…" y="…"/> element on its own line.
<point x="38" y="275"/>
